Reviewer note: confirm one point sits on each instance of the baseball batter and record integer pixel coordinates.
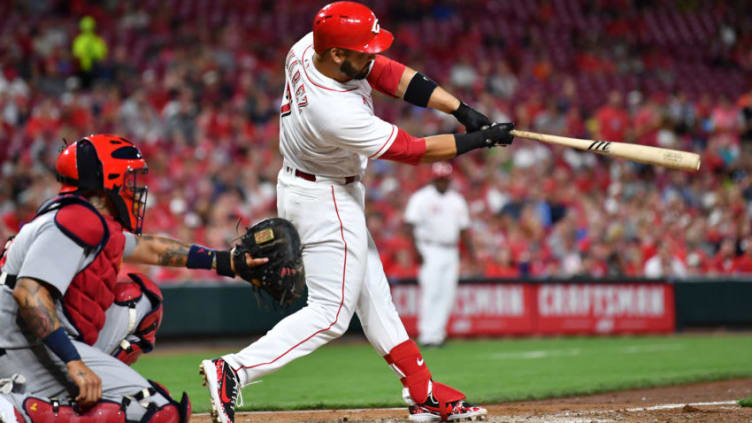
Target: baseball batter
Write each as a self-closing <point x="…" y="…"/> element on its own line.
<point x="328" y="132"/>
<point x="64" y="314"/>
<point x="437" y="218"/>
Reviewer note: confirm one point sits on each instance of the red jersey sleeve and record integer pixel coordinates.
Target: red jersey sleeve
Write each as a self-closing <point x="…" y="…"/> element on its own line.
<point x="385" y="75"/>
<point x="405" y="149"/>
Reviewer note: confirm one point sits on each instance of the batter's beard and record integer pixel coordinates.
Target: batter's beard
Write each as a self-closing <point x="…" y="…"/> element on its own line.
<point x="353" y="73"/>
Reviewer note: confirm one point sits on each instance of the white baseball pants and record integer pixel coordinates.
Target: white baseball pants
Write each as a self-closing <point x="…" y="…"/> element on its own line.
<point x="438" y="279"/>
<point x="344" y="275"/>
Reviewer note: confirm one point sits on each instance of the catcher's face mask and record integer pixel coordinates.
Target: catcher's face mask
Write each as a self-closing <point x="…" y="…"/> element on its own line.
<point x="134" y="195"/>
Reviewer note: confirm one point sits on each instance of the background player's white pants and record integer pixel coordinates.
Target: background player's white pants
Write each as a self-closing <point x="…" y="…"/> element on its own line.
<point x="344" y="275"/>
<point x="438" y="278"/>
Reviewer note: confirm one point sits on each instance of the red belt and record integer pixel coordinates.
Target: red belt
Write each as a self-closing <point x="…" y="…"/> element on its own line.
<point x="311" y="177"/>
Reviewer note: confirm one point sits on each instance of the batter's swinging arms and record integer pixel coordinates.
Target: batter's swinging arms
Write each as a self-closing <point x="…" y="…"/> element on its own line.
<point x="328" y="132"/>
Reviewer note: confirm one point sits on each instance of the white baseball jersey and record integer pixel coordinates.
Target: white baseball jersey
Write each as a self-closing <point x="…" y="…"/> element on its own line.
<point x="327" y="128"/>
<point x="437" y="218"/>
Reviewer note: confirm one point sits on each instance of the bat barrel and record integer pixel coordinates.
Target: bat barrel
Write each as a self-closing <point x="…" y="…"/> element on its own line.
<point x="675" y="159"/>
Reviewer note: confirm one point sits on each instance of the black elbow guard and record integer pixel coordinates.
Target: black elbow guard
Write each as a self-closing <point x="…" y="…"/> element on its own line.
<point x="419" y="90"/>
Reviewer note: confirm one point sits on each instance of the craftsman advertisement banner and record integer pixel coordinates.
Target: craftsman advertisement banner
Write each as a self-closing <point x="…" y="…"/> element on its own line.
<point x="556" y="308"/>
<point x="479" y="309"/>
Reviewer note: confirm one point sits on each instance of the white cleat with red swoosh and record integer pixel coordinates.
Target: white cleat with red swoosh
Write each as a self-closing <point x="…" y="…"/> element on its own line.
<point x="222" y="383"/>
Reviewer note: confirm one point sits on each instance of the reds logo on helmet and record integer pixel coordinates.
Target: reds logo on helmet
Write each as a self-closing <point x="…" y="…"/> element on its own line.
<point x="349" y="25"/>
<point x="108" y="164"/>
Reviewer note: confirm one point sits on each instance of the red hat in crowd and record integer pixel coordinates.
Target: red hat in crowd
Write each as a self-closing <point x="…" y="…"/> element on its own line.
<point x="441" y="170"/>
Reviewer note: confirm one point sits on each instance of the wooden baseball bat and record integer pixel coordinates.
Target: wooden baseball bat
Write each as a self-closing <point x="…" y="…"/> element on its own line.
<point x="675" y="159"/>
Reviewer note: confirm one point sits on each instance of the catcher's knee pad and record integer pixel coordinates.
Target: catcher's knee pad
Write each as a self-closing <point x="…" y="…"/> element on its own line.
<point x="407" y="362"/>
<point x="142" y="335"/>
<point x="50" y="411"/>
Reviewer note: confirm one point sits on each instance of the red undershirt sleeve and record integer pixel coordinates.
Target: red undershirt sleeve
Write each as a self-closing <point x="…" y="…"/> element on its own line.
<point x="385" y="75"/>
<point x="405" y="149"/>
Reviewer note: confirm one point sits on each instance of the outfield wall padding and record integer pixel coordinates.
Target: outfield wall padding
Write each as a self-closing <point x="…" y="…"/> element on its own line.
<point x="713" y="303"/>
<point x="212" y="309"/>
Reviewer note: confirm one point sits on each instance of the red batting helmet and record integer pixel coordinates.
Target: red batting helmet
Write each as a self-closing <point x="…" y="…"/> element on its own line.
<point x="350" y="25"/>
<point x="110" y="164"/>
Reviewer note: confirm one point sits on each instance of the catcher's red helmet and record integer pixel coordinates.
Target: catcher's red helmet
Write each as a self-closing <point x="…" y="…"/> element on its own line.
<point x="350" y="25"/>
<point x="110" y="164"/>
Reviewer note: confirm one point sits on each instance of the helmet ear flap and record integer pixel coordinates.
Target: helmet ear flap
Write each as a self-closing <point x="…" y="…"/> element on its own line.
<point x="90" y="173"/>
<point x="122" y="216"/>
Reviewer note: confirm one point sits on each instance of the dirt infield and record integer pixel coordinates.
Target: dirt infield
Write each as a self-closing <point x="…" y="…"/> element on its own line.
<point x="700" y="402"/>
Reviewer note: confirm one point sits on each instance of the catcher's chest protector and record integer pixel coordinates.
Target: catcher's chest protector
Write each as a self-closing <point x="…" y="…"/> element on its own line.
<point x="91" y="292"/>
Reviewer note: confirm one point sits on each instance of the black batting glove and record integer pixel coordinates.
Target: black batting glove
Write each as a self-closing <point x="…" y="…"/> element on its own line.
<point x="496" y="134"/>
<point x="499" y="134"/>
<point x="472" y="119"/>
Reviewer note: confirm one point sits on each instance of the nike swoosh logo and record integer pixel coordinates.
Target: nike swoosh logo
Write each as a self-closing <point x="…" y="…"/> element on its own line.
<point x="420" y="361"/>
<point x="224" y="398"/>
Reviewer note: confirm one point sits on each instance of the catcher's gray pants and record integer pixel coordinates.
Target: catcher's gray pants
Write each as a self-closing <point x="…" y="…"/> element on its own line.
<point x="46" y="377"/>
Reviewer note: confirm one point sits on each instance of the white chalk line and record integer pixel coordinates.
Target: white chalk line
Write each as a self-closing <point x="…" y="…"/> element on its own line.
<point x="322" y="410"/>
<point x="571" y="352"/>
<point x="670" y="406"/>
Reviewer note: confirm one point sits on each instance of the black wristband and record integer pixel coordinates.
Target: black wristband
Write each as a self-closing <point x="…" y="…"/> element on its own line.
<point x="471" y="141"/>
<point x="224" y="267"/>
<point x="61" y="345"/>
<point x="419" y="90"/>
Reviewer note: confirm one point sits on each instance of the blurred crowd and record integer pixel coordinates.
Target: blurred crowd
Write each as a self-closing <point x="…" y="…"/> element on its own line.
<point x="197" y="85"/>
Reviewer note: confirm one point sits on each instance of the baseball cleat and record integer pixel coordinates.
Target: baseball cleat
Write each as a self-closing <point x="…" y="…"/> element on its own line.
<point x="223" y="389"/>
<point x="461" y="411"/>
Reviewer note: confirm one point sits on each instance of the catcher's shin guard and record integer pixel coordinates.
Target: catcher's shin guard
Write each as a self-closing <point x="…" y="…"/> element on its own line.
<point x="173" y="412"/>
<point x="42" y="410"/>
<point x="50" y="411"/>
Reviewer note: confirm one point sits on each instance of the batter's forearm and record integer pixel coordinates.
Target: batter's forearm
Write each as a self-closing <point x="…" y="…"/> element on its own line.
<point x="36" y="307"/>
<point x="442" y="100"/>
<point x="439" y="148"/>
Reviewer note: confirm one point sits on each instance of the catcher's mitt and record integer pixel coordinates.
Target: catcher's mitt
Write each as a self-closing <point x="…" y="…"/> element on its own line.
<point x="283" y="277"/>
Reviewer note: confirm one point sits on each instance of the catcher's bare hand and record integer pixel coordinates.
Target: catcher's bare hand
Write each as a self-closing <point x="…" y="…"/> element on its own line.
<point x="89" y="384"/>
<point x="250" y="261"/>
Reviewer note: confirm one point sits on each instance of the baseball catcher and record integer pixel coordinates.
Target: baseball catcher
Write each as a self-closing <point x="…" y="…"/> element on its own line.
<point x="59" y="295"/>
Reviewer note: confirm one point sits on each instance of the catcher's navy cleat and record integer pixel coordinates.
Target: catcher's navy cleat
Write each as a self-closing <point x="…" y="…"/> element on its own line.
<point x="222" y="382"/>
